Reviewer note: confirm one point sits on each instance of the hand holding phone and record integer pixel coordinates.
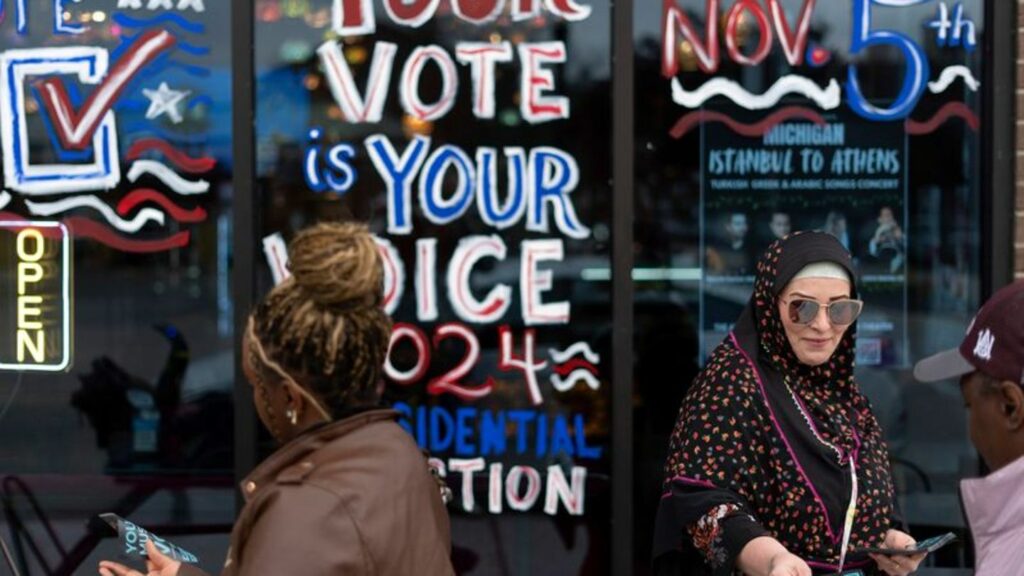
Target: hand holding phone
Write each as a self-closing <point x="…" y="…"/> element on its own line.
<point x="133" y="538"/>
<point x="923" y="547"/>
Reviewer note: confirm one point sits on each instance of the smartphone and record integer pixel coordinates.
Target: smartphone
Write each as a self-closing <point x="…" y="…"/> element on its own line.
<point x="133" y="539"/>
<point x="923" y="547"/>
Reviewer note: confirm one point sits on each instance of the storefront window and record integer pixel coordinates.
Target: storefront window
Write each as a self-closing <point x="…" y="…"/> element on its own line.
<point x="474" y="137"/>
<point x="115" y="226"/>
<point x="855" y="118"/>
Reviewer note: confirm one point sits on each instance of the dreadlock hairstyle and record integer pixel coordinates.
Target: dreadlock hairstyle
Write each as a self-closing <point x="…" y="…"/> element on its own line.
<point x="325" y="327"/>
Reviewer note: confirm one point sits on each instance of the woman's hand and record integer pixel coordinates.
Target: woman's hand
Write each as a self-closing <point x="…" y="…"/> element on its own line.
<point x="786" y="564"/>
<point x="765" y="556"/>
<point x="156" y="565"/>
<point x="898" y="565"/>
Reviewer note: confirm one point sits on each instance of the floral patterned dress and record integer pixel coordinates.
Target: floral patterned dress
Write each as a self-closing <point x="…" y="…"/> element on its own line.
<point x="764" y="444"/>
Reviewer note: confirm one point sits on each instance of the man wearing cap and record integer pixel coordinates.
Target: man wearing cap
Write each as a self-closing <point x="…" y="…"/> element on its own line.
<point x="990" y="366"/>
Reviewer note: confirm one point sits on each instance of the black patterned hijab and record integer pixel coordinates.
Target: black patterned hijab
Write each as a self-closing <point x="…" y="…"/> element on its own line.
<point x="762" y="336"/>
<point x="763" y="442"/>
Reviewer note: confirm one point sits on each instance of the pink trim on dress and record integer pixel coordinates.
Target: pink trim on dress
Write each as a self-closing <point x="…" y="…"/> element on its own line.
<point x="785" y="440"/>
<point x="690" y="482"/>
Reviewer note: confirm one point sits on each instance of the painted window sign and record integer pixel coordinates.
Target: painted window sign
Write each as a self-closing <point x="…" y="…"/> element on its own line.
<point x="952" y="27"/>
<point x="353" y="17"/>
<point x="20" y="176"/>
<point x="35" y="296"/>
<point x="488" y="368"/>
<point x="106" y="137"/>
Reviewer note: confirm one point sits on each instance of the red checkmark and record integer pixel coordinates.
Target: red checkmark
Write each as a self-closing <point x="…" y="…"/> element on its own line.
<point x="76" y="128"/>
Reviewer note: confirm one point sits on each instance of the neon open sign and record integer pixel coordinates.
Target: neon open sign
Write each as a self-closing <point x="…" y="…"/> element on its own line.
<point x="35" y="297"/>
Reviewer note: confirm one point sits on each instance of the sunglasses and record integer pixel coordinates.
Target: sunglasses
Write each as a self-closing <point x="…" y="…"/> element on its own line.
<point x="840" y="312"/>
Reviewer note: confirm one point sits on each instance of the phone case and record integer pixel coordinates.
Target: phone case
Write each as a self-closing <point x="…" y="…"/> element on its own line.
<point x="923" y="547"/>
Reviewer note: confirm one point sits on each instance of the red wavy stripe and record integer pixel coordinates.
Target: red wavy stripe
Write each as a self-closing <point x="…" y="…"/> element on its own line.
<point x="85" y="228"/>
<point x="140" y="195"/>
<point x="569" y="367"/>
<point x="953" y="109"/>
<point x="759" y="128"/>
<point x="177" y="157"/>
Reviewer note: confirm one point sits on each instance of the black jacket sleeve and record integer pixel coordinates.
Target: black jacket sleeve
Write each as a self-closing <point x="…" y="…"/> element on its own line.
<point x="716" y="524"/>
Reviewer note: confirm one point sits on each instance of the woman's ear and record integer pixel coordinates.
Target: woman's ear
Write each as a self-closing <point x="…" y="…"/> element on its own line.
<point x="1011" y="397"/>
<point x="293" y="398"/>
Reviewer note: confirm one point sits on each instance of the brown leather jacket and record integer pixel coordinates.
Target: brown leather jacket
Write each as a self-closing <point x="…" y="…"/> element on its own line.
<point x="353" y="497"/>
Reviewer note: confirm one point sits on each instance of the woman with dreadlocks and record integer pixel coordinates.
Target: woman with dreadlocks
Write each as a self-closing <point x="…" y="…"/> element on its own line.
<point x="777" y="466"/>
<point x="348" y="492"/>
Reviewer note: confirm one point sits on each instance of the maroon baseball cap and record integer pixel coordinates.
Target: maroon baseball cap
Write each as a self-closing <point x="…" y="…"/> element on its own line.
<point x="994" y="343"/>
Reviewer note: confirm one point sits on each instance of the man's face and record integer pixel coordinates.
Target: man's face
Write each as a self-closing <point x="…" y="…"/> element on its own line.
<point x="737" y="226"/>
<point x="780" y="225"/>
<point x="885" y="216"/>
<point x="986" y="418"/>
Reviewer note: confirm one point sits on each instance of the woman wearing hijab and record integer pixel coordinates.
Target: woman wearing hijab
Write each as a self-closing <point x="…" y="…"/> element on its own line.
<point x="348" y="492"/>
<point x="777" y="466"/>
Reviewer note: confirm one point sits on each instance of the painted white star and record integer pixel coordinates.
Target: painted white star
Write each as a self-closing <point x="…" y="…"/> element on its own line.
<point x="158" y="4"/>
<point x="165" y="101"/>
<point x="130" y="4"/>
<point x="196" y="5"/>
